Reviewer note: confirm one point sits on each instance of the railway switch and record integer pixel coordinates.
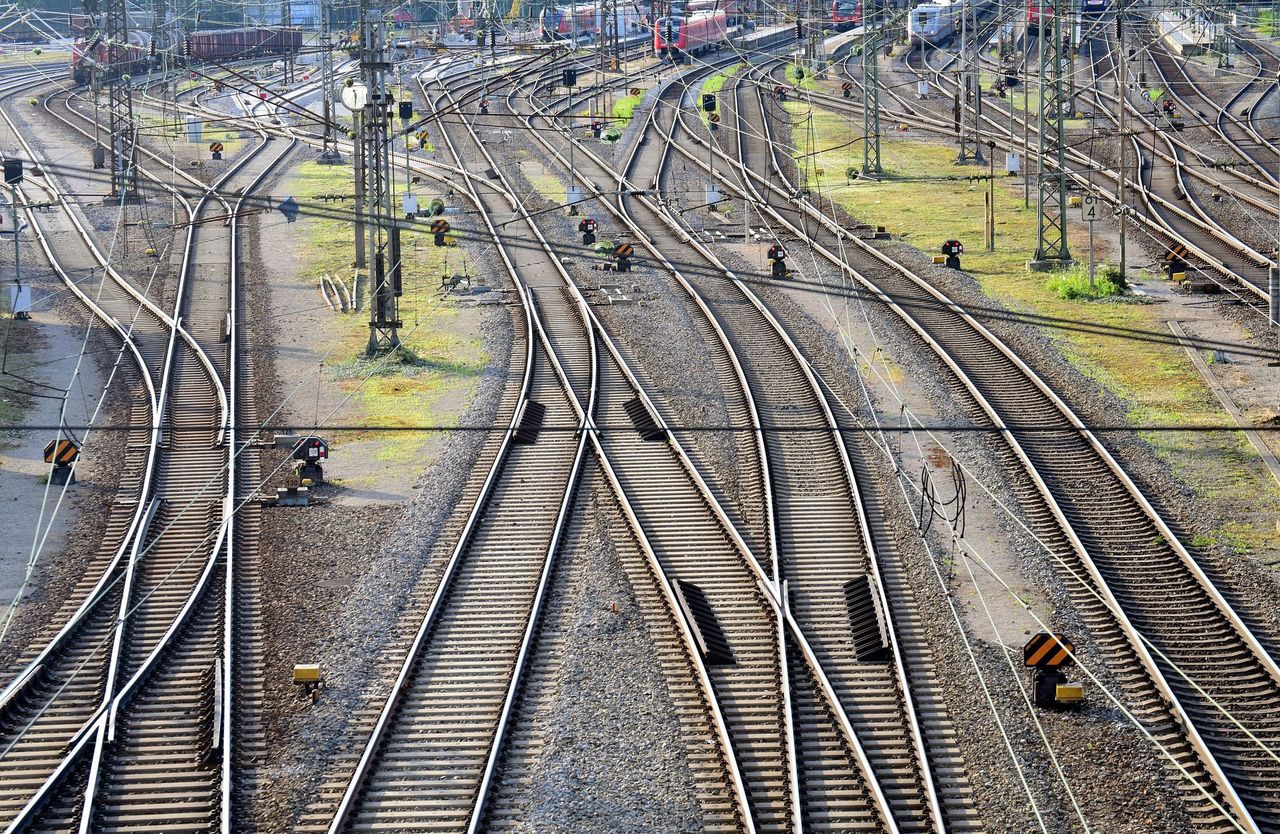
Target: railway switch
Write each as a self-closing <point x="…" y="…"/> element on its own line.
<point x="1049" y="655"/>
<point x="777" y="257"/>
<point x="953" y="249"/>
<point x="588" y="229"/>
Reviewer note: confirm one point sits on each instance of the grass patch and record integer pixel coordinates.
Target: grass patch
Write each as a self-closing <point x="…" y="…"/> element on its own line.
<point x="431" y="377"/>
<point x="1073" y="285"/>
<point x="625" y="107"/>
<point x="926" y="199"/>
<point x="800" y="77"/>
<point x="714" y="84"/>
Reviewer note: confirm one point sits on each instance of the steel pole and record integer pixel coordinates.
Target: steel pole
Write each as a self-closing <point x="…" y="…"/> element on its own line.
<point x="1120" y="196"/>
<point x="17" y="253"/>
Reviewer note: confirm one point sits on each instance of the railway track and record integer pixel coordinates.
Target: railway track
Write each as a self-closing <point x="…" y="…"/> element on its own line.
<point x="809" y="485"/>
<point x="1099" y="526"/>
<point x="155" y="746"/>
<point x="569" y="370"/>
<point x="1218" y="255"/>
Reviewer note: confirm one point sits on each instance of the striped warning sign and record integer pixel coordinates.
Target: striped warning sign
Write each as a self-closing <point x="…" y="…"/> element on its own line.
<point x="714" y="117"/>
<point x="1177" y="253"/>
<point x="440" y="227"/>
<point x="216" y="147"/>
<point x="623" y="250"/>
<point x="61" y="452"/>
<point x="1048" y="651"/>
<point x="848" y="85"/>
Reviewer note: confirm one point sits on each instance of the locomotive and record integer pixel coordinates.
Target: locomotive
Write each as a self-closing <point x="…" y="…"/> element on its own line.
<point x="938" y="21"/>
<point x="845" y="14"/>
<point x="1037" y="12"/>
<point x="678" y="37"/>
<point x="934" y="22"/>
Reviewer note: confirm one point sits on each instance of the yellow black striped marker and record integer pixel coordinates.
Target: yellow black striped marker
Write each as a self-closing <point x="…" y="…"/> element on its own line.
<point x="62" y="452"/>
<point x="1048" y="651"/>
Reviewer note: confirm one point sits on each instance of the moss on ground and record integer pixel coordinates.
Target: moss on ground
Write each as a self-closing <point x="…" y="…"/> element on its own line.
<point x="430" y="380"/>
<point x="714" y="84"/>
<point x="624" y="107"/>
<point x="926" y="199"/>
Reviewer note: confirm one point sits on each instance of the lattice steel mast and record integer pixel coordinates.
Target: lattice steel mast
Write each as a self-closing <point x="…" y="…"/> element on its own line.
<point x="1051" y="225"/>
<point x="970" y="104"/>
<point x="329" y="152"/>
<point x="286" y="21"/>
<point x="383" y="238"/>
<point x="871" y="89"/>
<point x="124" y="133"/>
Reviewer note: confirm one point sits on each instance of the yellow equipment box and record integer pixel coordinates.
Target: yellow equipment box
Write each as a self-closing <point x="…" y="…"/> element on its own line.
<point x="310" y="673"/>
<point x="1069" y="693"/>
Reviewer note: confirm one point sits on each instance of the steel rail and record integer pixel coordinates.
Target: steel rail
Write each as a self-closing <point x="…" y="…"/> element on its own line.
<point x="646" y="236"/>
<point x="765" y="582"/>
<point x="1137" y="641"/>
<point x="1152" y="220"/>
<point x="226" y="820"/>
<point x="365" y="764"/>
<point x="588" y="315"/>
<point x="593" y="327"/>
<point x="141" y="515"/>
<point x="107" y="730"/>
<point x="29" y="672"/>
<point x="106" y="725"/>
<point x="585" y="430"/>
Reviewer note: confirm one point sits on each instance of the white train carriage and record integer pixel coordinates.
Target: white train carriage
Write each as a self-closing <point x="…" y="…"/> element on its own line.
<point x="935" y="22"/>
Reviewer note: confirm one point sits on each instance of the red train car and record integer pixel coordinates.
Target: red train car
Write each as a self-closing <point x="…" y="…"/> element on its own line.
<point x="845" y="14"/>
<point x="1036" y="12"/>
<point x="230" y="44"/>
<point x="84" y="55"/>
<point x="568" y="22"/>
<point x="678" y="37"/>
<point x="730" y="8"/>
<point x="210" y="45"/>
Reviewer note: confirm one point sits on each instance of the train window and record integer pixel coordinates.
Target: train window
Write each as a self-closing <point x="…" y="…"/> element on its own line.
<point x="922" y="18"/>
